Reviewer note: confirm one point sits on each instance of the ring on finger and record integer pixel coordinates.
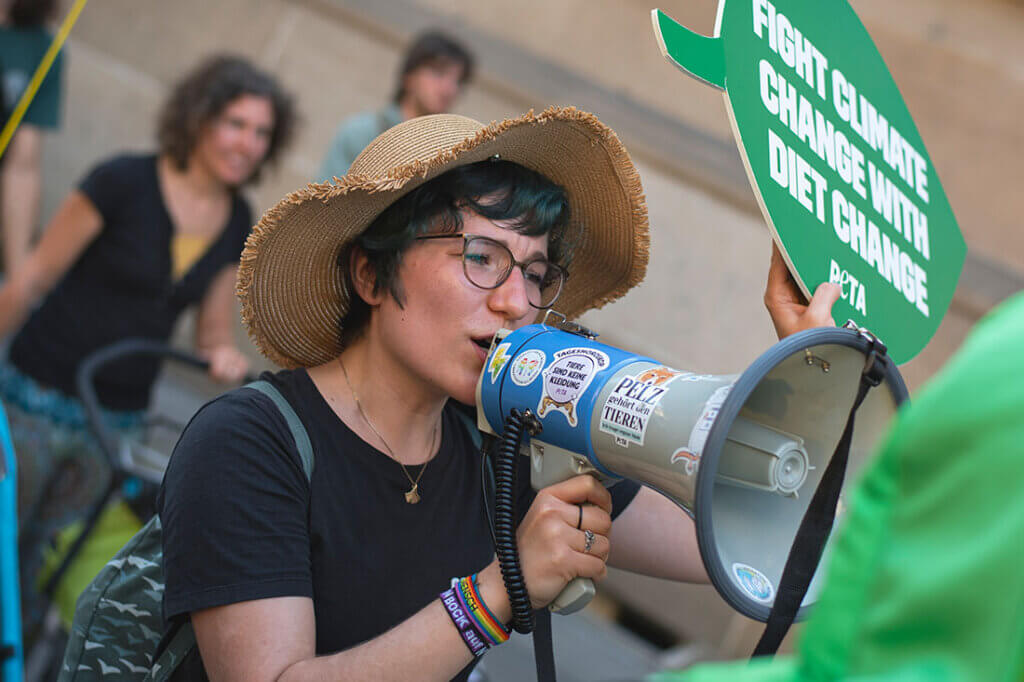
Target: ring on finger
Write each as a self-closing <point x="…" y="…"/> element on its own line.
<point x="588" y="541"/>
<point x="579" y="520"/>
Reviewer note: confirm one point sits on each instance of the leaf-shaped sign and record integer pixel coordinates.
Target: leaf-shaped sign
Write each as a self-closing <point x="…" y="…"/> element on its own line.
<point x="839" y="169"/>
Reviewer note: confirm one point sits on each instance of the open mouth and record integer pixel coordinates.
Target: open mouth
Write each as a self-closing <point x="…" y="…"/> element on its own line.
<point x="484" y="343"/>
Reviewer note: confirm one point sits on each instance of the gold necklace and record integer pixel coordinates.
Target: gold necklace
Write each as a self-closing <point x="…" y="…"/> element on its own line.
<point x="412" y="496"/>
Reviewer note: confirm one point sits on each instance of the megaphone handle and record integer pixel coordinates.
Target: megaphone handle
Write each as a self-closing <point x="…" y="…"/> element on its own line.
<point x="573" y="597"/>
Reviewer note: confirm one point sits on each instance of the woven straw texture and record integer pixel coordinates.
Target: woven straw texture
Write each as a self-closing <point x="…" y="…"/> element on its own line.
<point x="289" y="281"/>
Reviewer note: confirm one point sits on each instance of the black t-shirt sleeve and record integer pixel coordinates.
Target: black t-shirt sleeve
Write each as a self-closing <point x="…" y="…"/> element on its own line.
<point x="108" y="183"/>
<point x="234" y="508"/>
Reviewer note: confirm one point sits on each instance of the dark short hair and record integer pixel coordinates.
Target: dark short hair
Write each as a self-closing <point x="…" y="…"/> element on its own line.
<point x="525" y="200"/>
<point x="30" y="13"/>
<point x="205" y="92"/>
<point x="430" y="47"/>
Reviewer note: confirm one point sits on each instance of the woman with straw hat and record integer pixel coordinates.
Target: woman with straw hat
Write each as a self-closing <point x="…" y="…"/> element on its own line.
<point x="381" y="292"/>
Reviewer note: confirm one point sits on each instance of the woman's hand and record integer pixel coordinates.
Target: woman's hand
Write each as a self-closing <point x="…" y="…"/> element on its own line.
<point x="227" y="364"/>
<point x="551" y="549"/>
<point x="789" y="310"/>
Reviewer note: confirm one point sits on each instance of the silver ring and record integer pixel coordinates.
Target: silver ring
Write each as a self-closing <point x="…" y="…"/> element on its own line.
<point x="589" y="535"/>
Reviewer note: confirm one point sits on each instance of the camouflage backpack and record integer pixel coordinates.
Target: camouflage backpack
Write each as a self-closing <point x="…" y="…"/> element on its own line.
<point x="118" y="621"/>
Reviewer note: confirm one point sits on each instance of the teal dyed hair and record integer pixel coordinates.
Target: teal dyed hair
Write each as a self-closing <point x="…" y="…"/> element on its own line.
<point x="524" y="200"/>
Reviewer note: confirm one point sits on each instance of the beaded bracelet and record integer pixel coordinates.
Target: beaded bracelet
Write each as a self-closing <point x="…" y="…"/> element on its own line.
<point x="477" y="626"/>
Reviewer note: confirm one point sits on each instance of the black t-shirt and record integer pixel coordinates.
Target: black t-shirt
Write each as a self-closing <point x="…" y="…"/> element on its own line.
<point x="241" y="522"/>
<point x="121" y="286"/>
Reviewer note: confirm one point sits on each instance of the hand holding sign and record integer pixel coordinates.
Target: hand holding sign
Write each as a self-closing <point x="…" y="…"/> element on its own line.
<point x="838" y="167"/>
<point x="790" y="311"/>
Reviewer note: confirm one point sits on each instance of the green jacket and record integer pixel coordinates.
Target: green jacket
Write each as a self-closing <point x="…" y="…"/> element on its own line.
<point x="925" y="583"/>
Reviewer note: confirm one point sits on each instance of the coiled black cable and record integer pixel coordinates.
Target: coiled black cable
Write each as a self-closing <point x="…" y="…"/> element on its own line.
<point x="505" y="523"/>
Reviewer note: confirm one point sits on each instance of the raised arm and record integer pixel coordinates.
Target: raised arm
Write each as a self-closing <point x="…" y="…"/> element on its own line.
<point x="73" y="227"/>
<point x="653" y="536"/>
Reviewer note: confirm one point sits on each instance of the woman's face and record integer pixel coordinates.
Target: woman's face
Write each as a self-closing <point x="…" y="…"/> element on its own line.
<point x="234" y="143"/>
<point x="442" y="334"/>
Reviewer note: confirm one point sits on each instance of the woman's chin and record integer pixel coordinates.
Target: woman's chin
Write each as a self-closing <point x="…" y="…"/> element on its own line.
<point x="466" y="393"/>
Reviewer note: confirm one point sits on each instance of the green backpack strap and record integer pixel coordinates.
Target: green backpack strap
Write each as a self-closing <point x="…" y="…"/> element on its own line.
<point x="185" y="639"/>
<point x="294" y="423"/>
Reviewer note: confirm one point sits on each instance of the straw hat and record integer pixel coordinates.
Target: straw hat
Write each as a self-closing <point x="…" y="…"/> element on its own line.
<point x="289" y="281"/>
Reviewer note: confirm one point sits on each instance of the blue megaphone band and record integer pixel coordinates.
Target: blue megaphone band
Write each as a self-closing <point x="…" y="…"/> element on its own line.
<point x="555" y="374"/>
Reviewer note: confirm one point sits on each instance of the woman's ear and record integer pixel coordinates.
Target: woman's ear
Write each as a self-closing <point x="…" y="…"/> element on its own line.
<point x="364" y="277"/>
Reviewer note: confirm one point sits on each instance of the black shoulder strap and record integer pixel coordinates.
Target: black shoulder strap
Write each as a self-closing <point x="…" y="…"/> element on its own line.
<point x="816" y="525"/>
<point x="294" y="423"/>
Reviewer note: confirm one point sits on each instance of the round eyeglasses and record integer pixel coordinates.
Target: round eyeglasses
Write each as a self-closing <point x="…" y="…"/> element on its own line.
<point x="488" y="263"/>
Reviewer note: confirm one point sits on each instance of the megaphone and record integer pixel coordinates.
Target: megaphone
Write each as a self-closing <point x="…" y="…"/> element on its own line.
<point x="742" y="454"/>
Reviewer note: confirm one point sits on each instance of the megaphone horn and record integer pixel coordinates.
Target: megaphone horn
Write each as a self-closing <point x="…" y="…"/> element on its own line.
<point x="741" y="454"/>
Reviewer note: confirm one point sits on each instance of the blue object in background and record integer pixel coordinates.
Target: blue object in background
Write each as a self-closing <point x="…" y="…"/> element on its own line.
<point x="10" y="596"/>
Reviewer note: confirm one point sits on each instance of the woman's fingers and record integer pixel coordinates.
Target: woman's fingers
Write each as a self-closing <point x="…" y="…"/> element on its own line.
<point x="583" y="489"/>
<point x="595" y="545"/>
<point x="592" y="518"/>
<point x="819" y="312"/>
<point x="551" y="548"/>
<point x="789" y="309"/>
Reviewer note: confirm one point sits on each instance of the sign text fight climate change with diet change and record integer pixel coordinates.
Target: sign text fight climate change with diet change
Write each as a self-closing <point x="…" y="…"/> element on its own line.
<point x="838" y="166"/>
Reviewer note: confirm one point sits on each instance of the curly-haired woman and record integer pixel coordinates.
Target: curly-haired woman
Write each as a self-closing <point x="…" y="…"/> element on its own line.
<point x="141" y="238"/>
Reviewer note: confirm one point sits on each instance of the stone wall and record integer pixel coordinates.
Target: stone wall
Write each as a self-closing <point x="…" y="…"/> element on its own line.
<point x="960" y="65"/>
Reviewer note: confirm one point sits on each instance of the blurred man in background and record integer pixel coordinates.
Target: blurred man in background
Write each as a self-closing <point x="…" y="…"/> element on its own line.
<point x="433" y="72"/>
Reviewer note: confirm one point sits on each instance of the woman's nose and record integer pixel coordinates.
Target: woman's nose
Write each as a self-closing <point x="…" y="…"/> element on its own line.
<point x="511" y="299"/>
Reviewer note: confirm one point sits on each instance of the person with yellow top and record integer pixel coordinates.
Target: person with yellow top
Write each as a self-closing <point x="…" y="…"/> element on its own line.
<point x="142" y="238"/>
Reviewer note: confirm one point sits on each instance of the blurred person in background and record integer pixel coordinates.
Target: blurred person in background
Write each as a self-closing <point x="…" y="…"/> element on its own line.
<point x="142" y="238"/>
<point x="434" y="70"/>
<point x="23" y="42"/>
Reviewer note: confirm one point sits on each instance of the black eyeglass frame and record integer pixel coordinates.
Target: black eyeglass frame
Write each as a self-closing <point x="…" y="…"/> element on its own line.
<point x="513" y="263"/>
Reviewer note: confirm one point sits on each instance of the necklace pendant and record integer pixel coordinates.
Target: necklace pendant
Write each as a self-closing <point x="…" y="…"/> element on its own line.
<point x="413" y="496"/>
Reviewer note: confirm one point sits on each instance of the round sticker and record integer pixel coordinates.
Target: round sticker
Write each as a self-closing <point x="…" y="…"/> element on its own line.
<point x="754" y="583"/>
<point x="527" y="366"/>
<point x="566" y="380"/>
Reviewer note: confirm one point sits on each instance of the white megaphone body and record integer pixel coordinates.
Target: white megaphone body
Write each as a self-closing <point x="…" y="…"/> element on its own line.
<point x="741" y="454"/>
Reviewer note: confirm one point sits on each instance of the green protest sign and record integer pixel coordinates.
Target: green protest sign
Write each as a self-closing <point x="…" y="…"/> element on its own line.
<point x="838" y="167"/>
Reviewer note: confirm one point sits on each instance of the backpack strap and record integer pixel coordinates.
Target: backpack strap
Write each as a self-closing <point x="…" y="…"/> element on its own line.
<point x="299" y="433"/>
